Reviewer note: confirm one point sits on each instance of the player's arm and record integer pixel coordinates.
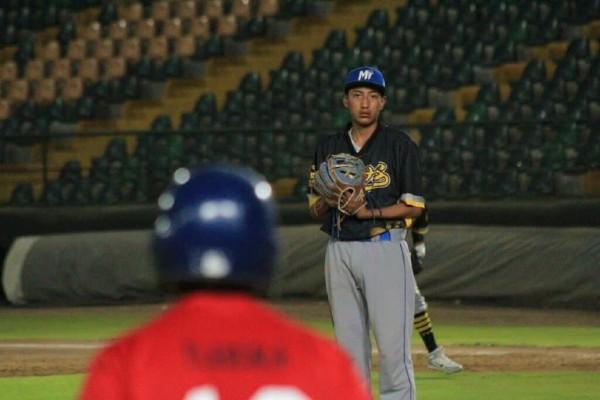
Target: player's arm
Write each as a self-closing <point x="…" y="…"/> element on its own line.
<point x="395" y="211"/>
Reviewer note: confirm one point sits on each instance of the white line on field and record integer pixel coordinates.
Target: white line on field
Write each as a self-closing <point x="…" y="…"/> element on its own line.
<point x="53" y="346"/>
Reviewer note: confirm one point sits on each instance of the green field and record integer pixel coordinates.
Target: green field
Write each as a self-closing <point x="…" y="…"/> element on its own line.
<point x="81" y="325"/>
<point x="430" y="385"/>
<point x="505" y="335"/>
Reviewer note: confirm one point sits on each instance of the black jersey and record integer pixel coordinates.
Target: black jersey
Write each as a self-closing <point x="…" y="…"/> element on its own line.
<point x="392" y="175"/>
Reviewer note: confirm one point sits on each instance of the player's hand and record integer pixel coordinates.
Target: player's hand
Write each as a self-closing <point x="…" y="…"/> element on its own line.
<point x="417" y="263"/>
<point x="417" y="255"/>
<point x="319" y="209"/>
<point x="420" y="250"/>
<point x="354" y="204"/>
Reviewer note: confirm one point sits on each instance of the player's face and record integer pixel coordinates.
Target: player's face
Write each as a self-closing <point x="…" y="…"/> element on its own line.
<point x="364" y="105"/>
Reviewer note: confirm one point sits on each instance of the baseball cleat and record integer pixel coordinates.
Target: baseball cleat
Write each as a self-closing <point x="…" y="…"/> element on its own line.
<point x="440" y="362"/>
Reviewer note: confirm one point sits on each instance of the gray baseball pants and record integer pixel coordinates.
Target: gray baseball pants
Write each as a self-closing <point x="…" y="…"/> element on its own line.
<point x="420" y="302"/>
<point x="367" y="283"/>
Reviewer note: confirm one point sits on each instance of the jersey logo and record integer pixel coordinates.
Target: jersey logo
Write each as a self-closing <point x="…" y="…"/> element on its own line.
<point x="377" y="177"/>
<point x="365" y="75"/>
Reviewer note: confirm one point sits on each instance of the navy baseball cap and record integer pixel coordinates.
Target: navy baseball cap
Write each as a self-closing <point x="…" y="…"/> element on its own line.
<point x="365" y="76"/>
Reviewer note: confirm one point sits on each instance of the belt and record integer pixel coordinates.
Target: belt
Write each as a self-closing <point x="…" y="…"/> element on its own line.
<point x="393" y="235"/>
<point x="382" y="237"/>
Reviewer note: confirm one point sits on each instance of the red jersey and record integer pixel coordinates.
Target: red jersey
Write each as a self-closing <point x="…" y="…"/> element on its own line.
<point x="215" y="347"/>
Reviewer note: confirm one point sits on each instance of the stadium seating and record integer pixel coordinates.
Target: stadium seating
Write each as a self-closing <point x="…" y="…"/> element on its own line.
<point x="511" y="87"/>
<point x="125" y="46"/>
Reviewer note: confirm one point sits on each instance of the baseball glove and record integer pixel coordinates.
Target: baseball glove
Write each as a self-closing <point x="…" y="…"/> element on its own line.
<point x="340" y="180"/>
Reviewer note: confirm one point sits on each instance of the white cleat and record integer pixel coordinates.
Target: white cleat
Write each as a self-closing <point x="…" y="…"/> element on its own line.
<point x="440" y="362"/>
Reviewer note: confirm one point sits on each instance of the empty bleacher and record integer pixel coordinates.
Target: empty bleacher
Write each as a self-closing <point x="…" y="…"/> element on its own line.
<point x="502" y="97"/>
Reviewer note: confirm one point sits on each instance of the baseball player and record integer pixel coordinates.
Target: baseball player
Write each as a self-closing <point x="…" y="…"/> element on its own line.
<point x="215" y="240"/>
<point x="367" y="265"/>
<point x="436" y="359"/>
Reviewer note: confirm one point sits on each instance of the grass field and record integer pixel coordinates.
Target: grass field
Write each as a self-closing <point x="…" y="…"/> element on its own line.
<point x="430" y="385"/>
<point x="493" y="383"/>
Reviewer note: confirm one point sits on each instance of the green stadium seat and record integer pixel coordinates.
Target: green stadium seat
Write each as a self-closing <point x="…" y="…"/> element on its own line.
<point x="254" y="27"/>
<point x="336" y="40"/>
<point x="489" y="93"/>
<point x="50" y="16"/>
<point x="250" y="83"/>
<point x="25" y="47"/>
<point x="108" y="13"/>
<point x="579" y="48"/>
<point x="542" y="182"/>
<point x="71" y="172"/>
<point x="571" y="134"/>
<point x="171" y="68"/>
<point x="519" y="31"/>
<point x="293" y="61"/>
<point x="477" y="112"/>
<point x="162" y="123"/>
<point x="189" y="122"/>
<point x="236" y="145"/>
<point x="116" y="149"/>
<point x="132" y="169"/>
<point x="266" y="142"/>
<point x="86" y="108"/>
<point x="144" y="68"/>
<point x="553" y="156"/>
<point x="435" y="184"/>
<point x="22" y="195"/>
<point x="127" y="192"/>
<point x="566" y="70"/>
<point x="433" y="75"/>
<point x="535" y="70"/>
<point x="52" y="194"/>
<point x="544" y="30"/>
<point x="292" y="8"/>
<point x="378" y="19"/>
<point x="97" y="191"/>
<point x="211" y="47"/>
<point x="234" y="104"/>
<point x="282" y="166"/>
<point x="206" y="105"/>
<point x="591" y="155"/>
<point x="462" y="75"/>
<point x="66" y="33"/>
<point x="501" y="184"/>
<point x="131" y="87"/>
<point x="81" y="194"/>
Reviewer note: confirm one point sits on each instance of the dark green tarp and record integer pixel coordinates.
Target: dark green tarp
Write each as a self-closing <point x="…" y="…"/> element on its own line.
<point x="536" y="267"/>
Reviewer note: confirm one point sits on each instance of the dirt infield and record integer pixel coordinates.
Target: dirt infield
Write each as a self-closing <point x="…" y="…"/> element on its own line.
<point x="28" y="358"/>
<point x="67" y="358"/>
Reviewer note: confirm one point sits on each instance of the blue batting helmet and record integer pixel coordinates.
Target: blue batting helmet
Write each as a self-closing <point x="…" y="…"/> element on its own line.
<point x="216" y="225"/>
<point x="365" y="76"/>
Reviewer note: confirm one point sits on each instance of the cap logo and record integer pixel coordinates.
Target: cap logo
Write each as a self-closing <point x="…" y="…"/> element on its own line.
<point x="365" y="75"/>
